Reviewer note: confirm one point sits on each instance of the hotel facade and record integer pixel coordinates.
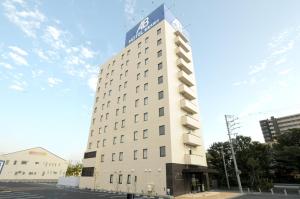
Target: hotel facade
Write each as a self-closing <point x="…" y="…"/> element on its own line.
<point x="145" y="132"/>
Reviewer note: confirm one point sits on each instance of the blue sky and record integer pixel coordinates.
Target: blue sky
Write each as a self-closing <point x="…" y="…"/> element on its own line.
<point x="246" y="56"/>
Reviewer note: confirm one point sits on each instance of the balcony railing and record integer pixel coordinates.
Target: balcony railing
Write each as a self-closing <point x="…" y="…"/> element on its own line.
<point x="179" y="34"/>
<point x="191" y="139"/>
<point x="186" y="79"/>
<point x="193" y="159"/>
<point x="179" y="42"/>
<point x="182" y="54"/>
<point x="190" y="122"/>
<point x="184" y="66"/>
<point x="187" y="92"/>
<point x="188" y="106"/>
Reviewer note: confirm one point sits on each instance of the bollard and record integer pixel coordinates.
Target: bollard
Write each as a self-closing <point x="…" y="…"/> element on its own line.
<point x="272" y="192"/>
<point x="248" y="190"/>
<point x="259" y="190"/>
<point x="285" y="193"/>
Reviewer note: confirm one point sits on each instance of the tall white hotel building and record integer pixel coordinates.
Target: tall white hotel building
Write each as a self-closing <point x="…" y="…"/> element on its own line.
<point x="145" y="132"/>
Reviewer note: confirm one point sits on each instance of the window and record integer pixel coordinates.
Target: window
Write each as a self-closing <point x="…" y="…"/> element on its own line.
<point x="113" y="156"/>
<point x="90" y="145"/>
<point x="124" y="109"/>
<point x="158" y="31"/>
<point x="136" y="118"/>
<point x="160" y="95"/>
<point x="102" y="157"/>
<point x="122" y="139"/>
<point x="139" y="54"/>
<point x="145" y="133"/>
<point x="161" y="111"/>
<point x="127" y="62"/>
<point x="145" y="86"/>
<point x="111" y="178"/>
<point x="104" y="94"/>
<point x="116" y="125"/>
<point x="117" y="112"/>
<point x="123" y="56"/>
<point x="105" y="84"/>
<point x="93" y="120"/>
<point x="98" y="89"/>
<point x="161" y="130"/>
<point x="139" y="44"/>
<point x="162" y="151"/>
<point x="121" y="76"/>
<point x="124" y="97"/>
<point x="112" y="72"/>
<point x="106" y="115"/>
<point x="159" y="53"/>
<point x="103" y="106"/>
<point x="104" y="142"/>
<point x="114" y="61"/>
<point x="146" y="61"/>
<point x="92" y="132"/>
<point x="125" y="84"/>
<point x="146" y="73"/>
<point x="95" y="109"/>
<point x="15" y="162"/>
<point x="123" y="123"/>
<point x="114" y="140"/>
<point x="138" y="65"/>
<point x="100" y="129"/>
<point x="87" y="171"/>
<point x="136" y="103"/>
<point x="24" y="162"/>
<point x="138" y="76"/>
<point x="145" y="100"/>
<point x="128" y="52"/>
<point x="105" y="129"/>
<point x="97" y="99"/>
<point x="120" y="178"/>
<point x="109" y="92"/>
<point x="159" y="66"/>
<point x="108" y="104"/>
<point x="135" y="135"/>
<point x="118" y="101"/>
<point x="146" y="116"/>
<point x="137" y="89"/>
<point x="121" y="156"/>
<point x="158" y="42"/>
<point x="98" y="142"/>
<point x="145" y="151"/>
<point x="122" y="66"/>
<point x="146" y="50"/>
<point x="160" y="80"/>
<point x="135" y="154"/>
<point x="128" y="179"/>
<point x="146" y="39"/>
<point x="126" y="73"/>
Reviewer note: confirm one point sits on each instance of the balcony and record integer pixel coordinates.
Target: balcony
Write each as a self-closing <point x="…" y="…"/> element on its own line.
<point x="191" y="139"/>
<point x="193" y="159"/>
<point x="190" y="122"/>
<point x="182" y="54"/>
<point x="184" y="66"/>
<point x="179" y="34"/>
<point x="187" y="92"/>
<point x="179" y="42"/>
<point x="188" y="106"/>
<point x="186" y="79"/>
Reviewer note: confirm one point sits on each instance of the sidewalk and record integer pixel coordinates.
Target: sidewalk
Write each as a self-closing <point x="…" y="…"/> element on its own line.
<point x="210" y="195"/>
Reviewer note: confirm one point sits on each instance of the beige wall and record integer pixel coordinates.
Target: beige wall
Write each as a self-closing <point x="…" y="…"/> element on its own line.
<point x="150" y="171"/>
<point x="40" y="164"/>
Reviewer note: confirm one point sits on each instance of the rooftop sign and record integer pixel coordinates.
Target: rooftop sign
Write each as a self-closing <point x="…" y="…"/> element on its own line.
<point x="151" y="20"/>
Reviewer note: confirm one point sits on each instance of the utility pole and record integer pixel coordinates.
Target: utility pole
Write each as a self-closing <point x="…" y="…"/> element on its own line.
<point x="230" y="124"/>
<point x="225" y="169"/>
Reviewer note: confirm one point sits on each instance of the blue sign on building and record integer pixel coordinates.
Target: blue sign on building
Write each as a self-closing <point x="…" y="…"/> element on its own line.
<point x="151" y="20"/>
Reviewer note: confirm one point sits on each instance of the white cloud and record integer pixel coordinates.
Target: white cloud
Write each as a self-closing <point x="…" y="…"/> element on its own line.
<point x="29" y="21"/>
<point x="18" y="50"/>
<point x="129" y="9"/>
<point x="18" y="59"/>
<point x="16" y="87"/>
<point x="53" y="32"/>
<point x="87" y="53"/>
<point x="92" y="82"/>
<point x="6" y="65"/>
<point x="36" y="73"/>
<point x="52" y="81"/>
<point x="256" y="106"/>
<point x="258" y="68"/>
<point x="42" y="54"/>
<point x="285" y="71"/>
<point x="54" y="37"/>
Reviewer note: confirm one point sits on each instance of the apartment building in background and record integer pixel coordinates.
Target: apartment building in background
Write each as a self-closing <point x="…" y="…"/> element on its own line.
<point x="145" y="132"/>
<point x="273" y="127"/>
<point x="35" y="164"/>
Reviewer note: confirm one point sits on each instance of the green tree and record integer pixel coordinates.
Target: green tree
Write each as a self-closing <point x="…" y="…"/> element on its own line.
<point x="74" y="170"/>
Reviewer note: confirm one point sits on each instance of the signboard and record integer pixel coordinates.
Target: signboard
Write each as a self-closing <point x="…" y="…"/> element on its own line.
<point x="159" y="14"/>
<point x="1" y="165"/>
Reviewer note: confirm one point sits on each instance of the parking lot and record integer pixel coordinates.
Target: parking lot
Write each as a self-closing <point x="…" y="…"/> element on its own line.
<point x="50" y="191"/>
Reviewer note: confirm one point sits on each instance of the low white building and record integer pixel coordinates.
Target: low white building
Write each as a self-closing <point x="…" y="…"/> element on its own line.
<point x="34" y="164"/>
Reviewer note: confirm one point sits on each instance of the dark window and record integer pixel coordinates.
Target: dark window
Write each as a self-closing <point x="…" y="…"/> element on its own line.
<point x="162" y="151"/>
<point x="162" y="130"/>
<point x="91" y="154"/>
<point x="161" y="111"/>
<point x="129" y="179"/>
<point x="111" y="178"/>
<point x="160" y="95"/>
<point x="120" y="178"/>
<point x="159" y="66"/>
<point x="160" y="80"/>
<point x="87" y="171"/>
